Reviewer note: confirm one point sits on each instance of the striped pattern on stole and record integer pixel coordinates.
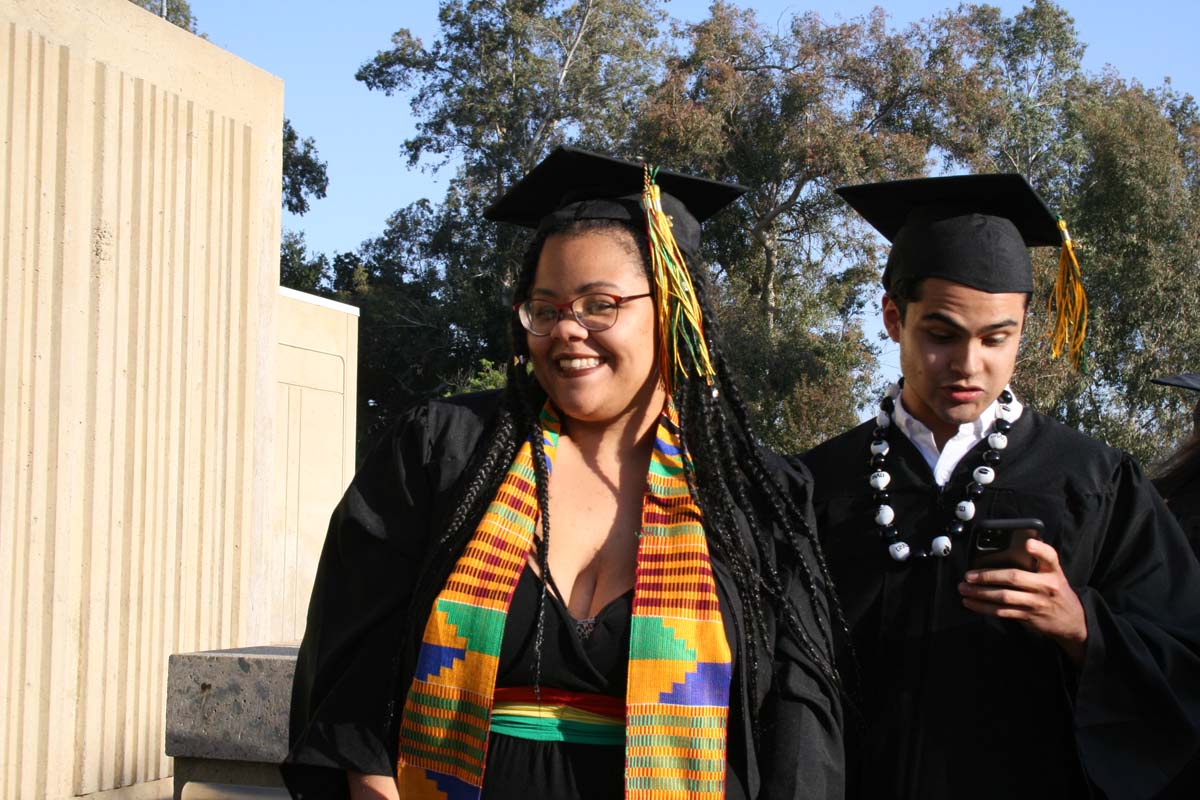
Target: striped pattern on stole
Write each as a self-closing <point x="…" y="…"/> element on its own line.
<point x="677" y="697"/>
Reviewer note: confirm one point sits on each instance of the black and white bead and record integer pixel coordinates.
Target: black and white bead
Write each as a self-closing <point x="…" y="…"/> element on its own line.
<point x="964" y="512"/>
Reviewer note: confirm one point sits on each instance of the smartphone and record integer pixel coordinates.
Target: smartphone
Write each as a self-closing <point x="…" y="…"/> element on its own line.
<point x="1000" y="543"/>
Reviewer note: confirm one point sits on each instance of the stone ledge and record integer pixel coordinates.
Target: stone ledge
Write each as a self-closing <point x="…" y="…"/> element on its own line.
<point x="230" y="705"/>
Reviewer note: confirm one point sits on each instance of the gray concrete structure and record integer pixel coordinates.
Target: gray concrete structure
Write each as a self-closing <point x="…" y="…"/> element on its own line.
<point x="227" y="717"/>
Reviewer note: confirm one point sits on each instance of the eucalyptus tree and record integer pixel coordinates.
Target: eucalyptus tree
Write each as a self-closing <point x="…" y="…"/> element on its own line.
<point x="1134" y="210"/>
<point x="1119" y="162"/>
<point x="503" y="83"/>
<point x="792" y="113"/>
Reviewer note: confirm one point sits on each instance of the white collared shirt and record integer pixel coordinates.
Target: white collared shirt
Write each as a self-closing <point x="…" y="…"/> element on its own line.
<point x="969" y="434"/>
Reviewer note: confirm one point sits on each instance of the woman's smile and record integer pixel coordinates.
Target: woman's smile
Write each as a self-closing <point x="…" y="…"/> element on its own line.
<point x="578" y="365"/>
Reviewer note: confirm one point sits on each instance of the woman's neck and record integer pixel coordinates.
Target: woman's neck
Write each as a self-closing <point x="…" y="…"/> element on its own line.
<point x="612" y="441"/>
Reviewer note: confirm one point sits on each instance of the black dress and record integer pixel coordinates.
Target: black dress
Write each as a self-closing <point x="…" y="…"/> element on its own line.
<point x="520" y="769"/>
<point x="955" y="704"/>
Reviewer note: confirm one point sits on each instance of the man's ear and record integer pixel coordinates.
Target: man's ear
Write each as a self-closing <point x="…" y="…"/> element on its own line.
<point x="893" y="321"/>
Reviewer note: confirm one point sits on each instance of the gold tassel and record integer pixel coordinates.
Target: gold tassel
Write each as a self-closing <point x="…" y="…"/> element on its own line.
<point x="1068" y="304"/>
<point x="680" y="320"/>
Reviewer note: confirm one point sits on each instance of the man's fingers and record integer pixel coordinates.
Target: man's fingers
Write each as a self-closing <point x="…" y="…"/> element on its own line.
<point x="1017" y="578"/>
<point x="1047" y="556"/>
<point x="1013" y="598"/>
<point x="993" y="610"/>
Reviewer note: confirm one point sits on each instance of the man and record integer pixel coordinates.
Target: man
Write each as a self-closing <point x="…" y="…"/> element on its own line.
<point x="1079" y="677"/>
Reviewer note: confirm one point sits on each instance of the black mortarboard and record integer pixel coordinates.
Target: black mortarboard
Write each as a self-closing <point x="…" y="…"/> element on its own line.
<point x="974" y="230"/>
<point x="970" y="229"/>
<point x="1186" y="380"/>
<point x="576" y="184"/>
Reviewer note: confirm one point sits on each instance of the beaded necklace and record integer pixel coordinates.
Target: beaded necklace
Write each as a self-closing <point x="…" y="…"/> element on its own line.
<point x="964" y="512"/>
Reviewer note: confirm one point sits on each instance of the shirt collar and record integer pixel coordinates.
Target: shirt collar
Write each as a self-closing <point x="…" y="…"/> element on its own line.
<point x="969" y="434"/>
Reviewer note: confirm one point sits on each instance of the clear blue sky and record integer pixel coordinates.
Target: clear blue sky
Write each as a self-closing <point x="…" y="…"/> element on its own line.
<point x="316" y="46"/>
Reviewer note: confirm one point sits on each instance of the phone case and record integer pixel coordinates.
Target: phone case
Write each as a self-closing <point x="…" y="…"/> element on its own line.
<point x="1000" y="543"/>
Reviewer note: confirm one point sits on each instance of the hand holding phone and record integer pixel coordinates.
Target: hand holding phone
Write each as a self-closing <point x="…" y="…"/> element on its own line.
<point x="1005" y="581"/>
<point x="1000" y="543"/>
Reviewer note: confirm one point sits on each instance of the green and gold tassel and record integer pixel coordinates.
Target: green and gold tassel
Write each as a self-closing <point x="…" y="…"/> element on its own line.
<point x="682" y="348"/>
<point x="1068" y="304"/>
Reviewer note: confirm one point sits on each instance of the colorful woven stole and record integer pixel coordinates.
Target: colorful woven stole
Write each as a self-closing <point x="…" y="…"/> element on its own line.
<point x="677" y="698"/>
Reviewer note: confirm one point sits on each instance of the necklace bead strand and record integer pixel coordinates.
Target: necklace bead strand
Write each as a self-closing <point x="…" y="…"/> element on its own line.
<point x="964" y="511"/>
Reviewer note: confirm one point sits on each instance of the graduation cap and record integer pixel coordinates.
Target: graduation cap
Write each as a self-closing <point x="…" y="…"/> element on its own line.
<point x="1185" y="380"/>
<point x="975" y="230"/>
<point x="572" y="184"/>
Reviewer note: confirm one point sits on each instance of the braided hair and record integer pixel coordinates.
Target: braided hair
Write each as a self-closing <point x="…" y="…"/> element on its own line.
<point x="728" y="478"/>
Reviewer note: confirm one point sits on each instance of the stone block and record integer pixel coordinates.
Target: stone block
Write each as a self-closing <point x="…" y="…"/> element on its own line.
<point x="230" y="705"/>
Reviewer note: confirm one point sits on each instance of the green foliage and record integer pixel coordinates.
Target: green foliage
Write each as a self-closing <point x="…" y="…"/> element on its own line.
<point x="1134" y="216"/>
<point x="297" y="268"/>
<point x="802" y="384"/>
<point x="508" y="78"/>
<point x="486" y="375"/>
<point x="790" y="111"/>
<point x="503" y="84"/>
<point x="1017" y="85"/>
<point x="1119" y="163"/>
<point x="304" y="174"/>
<point x="792" y="114"/>
<point x="412" y="342"/>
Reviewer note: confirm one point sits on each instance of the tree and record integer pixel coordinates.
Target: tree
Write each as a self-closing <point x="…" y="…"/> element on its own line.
<point x="1134" y="212"/>
<point x="298" y="269"/>
<point x="793" y="114"/>
<point x="504" y="83"/>
<point x="410" y="344"/>
<point x="1020" y="79"/>
<point x="304" y="174"/>
<point x="508" y="78"/>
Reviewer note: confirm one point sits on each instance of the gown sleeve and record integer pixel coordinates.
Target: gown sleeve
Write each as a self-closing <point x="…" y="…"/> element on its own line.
<point x="1137" y="696"/>
<point x="343" y="714"/>
<point x="800" y="751"/>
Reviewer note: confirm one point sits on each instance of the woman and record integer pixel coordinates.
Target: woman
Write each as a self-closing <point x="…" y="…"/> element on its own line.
<point x="591" y="584"/>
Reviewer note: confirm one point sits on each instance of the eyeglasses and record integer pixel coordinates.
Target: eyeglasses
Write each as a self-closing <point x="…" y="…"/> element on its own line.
<point x="596" y="312"/>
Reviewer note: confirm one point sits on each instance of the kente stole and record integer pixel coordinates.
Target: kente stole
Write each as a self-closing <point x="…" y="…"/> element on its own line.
<point x="677" y="696"/>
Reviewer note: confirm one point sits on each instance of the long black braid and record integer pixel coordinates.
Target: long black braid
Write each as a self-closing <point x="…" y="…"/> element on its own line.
<point x="745" y="475"/>
<point x="728" y="478"/>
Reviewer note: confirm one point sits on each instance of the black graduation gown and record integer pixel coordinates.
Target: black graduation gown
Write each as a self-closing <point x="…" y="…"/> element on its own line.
<point x="1184" y="503"/>
<point x="355" y="662"/>
<point x="955" y="704"/>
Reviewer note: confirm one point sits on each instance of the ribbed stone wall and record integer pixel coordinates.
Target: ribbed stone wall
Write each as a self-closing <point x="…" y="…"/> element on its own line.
<point x="139" y="235"/>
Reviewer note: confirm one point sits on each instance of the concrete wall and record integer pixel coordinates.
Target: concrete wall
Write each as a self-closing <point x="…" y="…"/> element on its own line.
<point x="139" y="237"/>
<point x="315" y="400"/>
